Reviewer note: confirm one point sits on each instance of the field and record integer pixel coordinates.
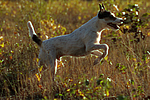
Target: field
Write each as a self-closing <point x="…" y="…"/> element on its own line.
<point x="124" y="74"/>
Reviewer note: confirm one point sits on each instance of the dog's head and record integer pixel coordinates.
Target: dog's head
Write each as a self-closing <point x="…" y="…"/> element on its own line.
<point x="108" y="19"/>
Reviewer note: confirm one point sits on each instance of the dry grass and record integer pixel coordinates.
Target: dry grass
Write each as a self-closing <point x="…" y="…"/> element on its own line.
<point x="123" y="74"/>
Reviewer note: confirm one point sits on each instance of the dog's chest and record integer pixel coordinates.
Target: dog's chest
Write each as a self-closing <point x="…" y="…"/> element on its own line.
<point x="98" y="37"/>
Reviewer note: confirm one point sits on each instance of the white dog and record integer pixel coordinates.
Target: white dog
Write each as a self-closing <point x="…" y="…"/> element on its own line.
<point x="81" y="42"/>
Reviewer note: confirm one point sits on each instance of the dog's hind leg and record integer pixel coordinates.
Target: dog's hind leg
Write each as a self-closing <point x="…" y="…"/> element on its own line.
<point x="52" y="66"/>
<point x="47" y="59"/>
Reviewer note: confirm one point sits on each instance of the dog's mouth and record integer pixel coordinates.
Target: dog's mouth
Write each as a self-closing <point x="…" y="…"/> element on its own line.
<point x="115" y="26"/>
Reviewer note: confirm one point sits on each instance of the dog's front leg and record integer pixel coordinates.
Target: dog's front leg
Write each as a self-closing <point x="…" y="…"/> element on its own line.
<point x="97" y="53"/>
<point x="105" y="53"/>
<point x="98" y="47"/>
<point x="97" y="60"/>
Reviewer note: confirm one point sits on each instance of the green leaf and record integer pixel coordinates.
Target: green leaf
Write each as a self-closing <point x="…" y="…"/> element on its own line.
<point x="145" y="14"/>
<point x="132" y="82"/>
<point x="60" y="94"/>
<point x="17" y="44"/>
<point x="87" y="82"/>
<point x="121" y="97"/>
<point x="1" y="61"/>
<point x="98" y="81"/>
<point x="101" y="75"/>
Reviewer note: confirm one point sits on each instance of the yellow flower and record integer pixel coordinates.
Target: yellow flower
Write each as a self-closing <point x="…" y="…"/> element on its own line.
<point x="38" y="77"/>
<point x="1" y="38"/>
<point x="2" y="45"/>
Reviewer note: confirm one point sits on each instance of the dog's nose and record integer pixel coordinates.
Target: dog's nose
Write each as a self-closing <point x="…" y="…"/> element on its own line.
<point x="121" y="20"/>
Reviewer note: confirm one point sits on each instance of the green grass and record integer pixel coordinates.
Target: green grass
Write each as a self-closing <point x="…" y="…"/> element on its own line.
<point x="124" y="74"/>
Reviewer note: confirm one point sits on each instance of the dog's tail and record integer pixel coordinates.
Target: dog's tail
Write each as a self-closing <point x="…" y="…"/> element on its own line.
<point x="33" y="35"/>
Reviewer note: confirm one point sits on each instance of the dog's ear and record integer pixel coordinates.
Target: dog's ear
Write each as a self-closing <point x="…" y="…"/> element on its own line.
<point x="102" y="8"/>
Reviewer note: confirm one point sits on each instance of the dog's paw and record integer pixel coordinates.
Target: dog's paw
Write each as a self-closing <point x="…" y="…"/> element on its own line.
<point x="97" y="60"/>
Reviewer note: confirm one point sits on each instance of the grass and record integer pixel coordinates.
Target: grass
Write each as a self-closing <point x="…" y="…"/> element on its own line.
<point x="123" y="74"/>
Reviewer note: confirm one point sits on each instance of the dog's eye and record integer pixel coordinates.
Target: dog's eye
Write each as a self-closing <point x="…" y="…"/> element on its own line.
<point x="112" y="17"/>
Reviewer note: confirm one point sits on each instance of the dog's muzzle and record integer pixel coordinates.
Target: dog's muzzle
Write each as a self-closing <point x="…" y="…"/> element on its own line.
<point x="116" y="24"/>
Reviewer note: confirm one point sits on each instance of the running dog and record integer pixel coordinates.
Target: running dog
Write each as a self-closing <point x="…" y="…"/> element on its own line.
<point x="81" y="42"/>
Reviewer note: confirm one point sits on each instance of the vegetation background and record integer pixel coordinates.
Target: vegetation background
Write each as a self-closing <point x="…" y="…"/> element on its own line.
<point x="124" y="74"/>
